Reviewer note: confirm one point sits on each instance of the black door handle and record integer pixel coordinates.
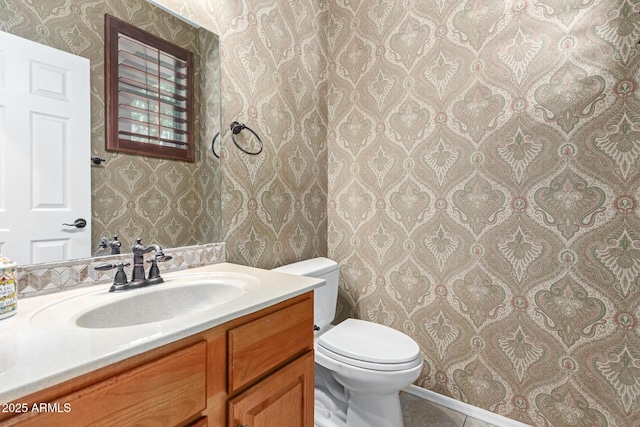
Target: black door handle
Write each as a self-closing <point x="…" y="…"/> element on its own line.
<point x="78" y="223"/>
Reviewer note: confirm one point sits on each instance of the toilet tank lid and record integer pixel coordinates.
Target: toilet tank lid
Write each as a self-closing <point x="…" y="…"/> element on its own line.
<point x="312" y="267"/>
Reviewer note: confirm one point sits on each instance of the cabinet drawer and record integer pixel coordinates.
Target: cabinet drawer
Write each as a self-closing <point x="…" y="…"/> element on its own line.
<point x="266" y="343"/>
<point x="164" y="392"/>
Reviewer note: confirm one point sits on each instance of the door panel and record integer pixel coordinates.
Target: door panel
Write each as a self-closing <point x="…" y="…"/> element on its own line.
<point x="45" y="152"/>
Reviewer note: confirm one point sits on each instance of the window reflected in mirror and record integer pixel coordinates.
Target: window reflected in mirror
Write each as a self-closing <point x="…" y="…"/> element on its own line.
<point x="149" y="93"/>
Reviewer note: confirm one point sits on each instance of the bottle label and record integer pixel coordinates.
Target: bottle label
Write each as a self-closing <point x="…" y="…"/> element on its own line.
<point x="8" y="292"/>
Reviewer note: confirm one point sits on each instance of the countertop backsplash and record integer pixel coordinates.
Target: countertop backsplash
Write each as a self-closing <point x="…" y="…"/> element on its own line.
<point x="40" y="279"/>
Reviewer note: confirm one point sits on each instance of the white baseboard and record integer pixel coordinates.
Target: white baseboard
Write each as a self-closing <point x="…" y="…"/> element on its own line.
<point x="463" y="408"/>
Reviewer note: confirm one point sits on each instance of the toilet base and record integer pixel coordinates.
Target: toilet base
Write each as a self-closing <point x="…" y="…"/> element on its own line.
<point x="330" y="408"/>
<point x="337" y="406"/>
<point x="326" y="419"/>
<point x="373" y="409"/>
<point x="365" y="410"/>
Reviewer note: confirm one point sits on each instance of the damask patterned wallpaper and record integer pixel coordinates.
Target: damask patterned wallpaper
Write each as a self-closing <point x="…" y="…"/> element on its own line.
<point x="171" y="203"/>
<point x="482" y="185"/>
<point x="483" y="195"/>
<point x="274" y="77"/>
<point x="472" y="166"/>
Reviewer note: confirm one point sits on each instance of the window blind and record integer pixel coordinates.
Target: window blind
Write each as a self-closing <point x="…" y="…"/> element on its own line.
<point x="152" y="88"/>
<point x="149" y="93"/>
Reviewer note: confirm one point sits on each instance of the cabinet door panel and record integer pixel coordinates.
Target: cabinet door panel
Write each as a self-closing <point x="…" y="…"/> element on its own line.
<point x="268" y="342"/>
<point x="285" y="398"/>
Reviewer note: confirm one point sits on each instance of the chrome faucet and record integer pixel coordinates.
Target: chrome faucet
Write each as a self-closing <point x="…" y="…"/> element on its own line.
<point x="138" y="278"/>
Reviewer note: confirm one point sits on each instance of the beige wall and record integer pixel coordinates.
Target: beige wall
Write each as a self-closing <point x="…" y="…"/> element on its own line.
<point x="472" y="166"/>
<point x="483" y="191"/>
<point x="274" y="61"/>
<point x="478" y="164"/>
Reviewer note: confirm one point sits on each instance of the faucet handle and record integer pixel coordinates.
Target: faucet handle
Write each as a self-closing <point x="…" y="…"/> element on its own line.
<point x="114" y="244"/>
<point x="154" y="271"/>
<point x="120" y="281"/>
<point x="105" y="267"/>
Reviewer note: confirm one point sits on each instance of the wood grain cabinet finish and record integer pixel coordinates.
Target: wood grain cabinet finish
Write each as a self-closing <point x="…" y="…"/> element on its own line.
<point x="163" y="392"/>
<point x="200" y="422"/>
<point x="278" y="400"/>
<point x="257" y="369"/>
<point x="261" y="345"/>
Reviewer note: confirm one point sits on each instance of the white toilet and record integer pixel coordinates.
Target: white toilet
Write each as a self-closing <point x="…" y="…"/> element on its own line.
<point x="360" y="366"/>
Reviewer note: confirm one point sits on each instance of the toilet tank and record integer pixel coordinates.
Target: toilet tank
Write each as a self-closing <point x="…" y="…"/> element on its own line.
<point x="325" y="298"/>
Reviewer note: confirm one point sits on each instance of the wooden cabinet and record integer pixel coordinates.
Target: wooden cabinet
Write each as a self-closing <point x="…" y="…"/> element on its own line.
<point x="200" y="422"/>
<point x="257" y="347"/>
<point x="279" y="400"/>
<point x="256" y="370"/>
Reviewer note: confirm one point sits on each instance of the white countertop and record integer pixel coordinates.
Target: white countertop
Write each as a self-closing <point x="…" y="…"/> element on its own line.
<point x="36" y="353"/>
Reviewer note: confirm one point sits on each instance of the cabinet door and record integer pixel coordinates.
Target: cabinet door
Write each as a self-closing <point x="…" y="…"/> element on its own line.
<point x="285" y="398"/>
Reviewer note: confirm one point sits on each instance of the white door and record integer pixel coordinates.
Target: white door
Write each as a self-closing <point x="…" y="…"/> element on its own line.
<point x="45" y="138"/>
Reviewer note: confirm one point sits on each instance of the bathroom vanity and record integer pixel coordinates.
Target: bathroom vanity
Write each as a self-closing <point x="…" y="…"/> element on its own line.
<point x="248" y="361"/>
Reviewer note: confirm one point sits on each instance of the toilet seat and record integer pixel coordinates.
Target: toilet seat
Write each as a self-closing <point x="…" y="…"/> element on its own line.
<point x="369" y="345"/>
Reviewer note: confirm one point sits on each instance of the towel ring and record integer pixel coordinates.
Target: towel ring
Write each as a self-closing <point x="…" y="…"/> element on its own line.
<point x="236" y="128"/>
<point x="213" y="150"/>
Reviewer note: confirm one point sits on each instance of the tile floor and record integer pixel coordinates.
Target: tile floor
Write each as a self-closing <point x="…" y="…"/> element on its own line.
<point x="418" y="412"/>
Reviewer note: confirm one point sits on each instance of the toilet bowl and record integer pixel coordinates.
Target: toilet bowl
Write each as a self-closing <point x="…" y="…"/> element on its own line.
<point x="372" y="363"/>
<point x="361" y="366"/>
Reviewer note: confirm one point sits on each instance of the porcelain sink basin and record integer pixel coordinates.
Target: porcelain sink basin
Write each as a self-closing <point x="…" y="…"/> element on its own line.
<point x="162" y="303"/>
<point x="177" y="297"/>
